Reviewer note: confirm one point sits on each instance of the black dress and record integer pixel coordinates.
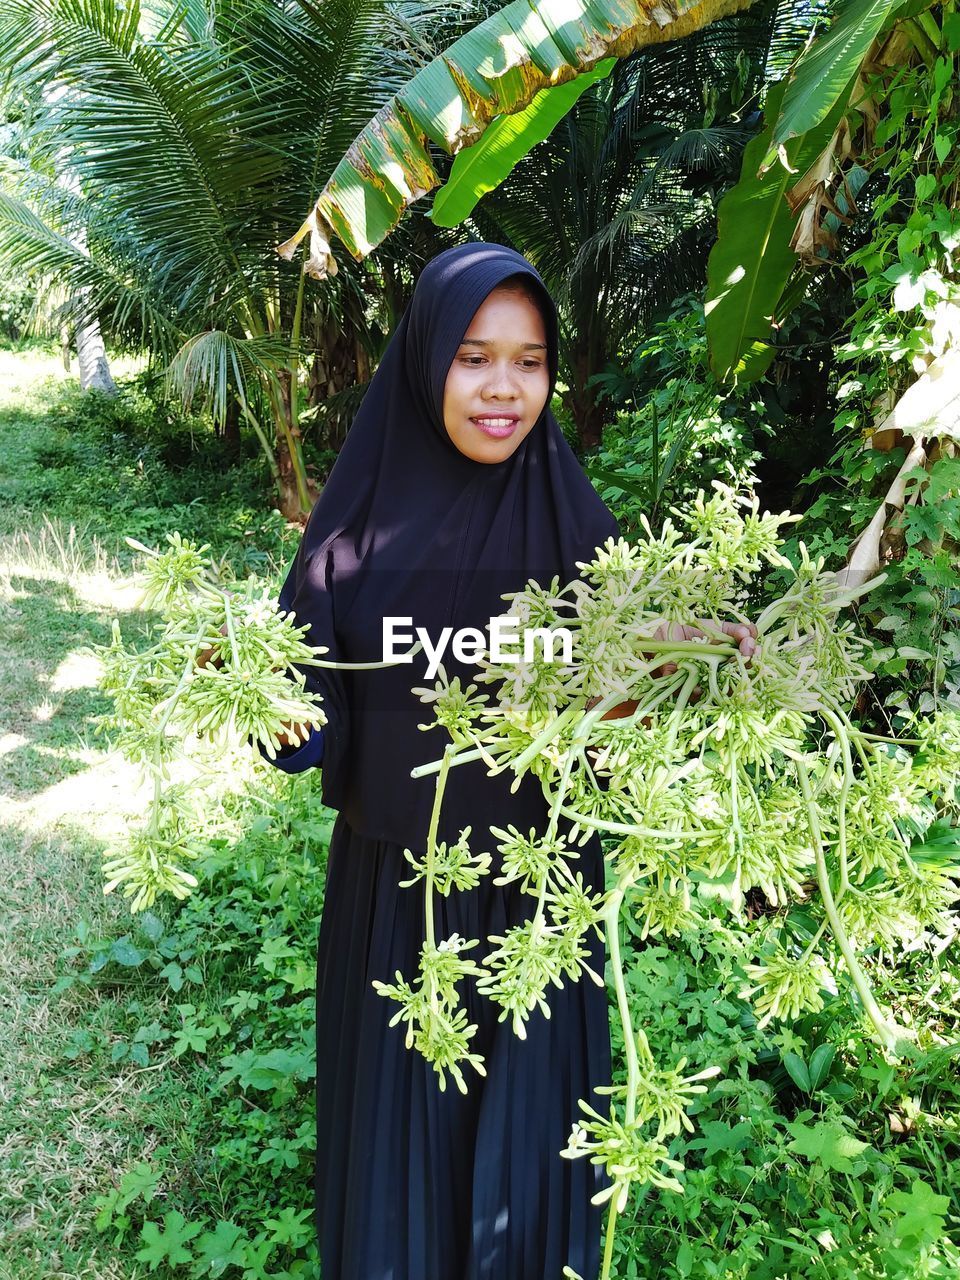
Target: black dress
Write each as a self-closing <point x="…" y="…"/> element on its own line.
<point x="417" y="1184"/>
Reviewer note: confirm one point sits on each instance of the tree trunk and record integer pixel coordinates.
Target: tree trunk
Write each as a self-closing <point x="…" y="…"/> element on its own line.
<point x="289" y="495"/>
<point x="94" y="370"/>
<point x="230" y="431"/>
<point x="340" y="361"/>
<point x="297" y="491"/>
<point x="582" y="405"/>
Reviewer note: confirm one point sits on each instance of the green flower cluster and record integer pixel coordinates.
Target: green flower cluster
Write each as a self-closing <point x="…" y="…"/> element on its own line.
<point x="728" y="779"/>
<point x="729" y="782"/>
<point x="224" y="669"/>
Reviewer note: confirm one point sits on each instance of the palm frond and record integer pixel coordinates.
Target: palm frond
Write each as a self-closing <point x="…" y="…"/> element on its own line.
<point x="213" y="363"/>
<point x="31" y="246"/>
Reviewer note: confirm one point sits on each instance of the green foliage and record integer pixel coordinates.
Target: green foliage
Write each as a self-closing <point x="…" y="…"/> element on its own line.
<point x="134" y="465"/>
<point x="907" y="298"/>
<point x="225" y="669"/>
<point x="452" y="100"/>
<point x="786" y="1178"/>
<point x="483" y="166"/>
<point x="752" y="260"/>
<point x="17" y="300"/>
<point x="228" y="977"/>
<point x="161" y="148"/>
<point x="679" y="430"/>
<point x="825" y="72"/>
<point x="757" y="784"/>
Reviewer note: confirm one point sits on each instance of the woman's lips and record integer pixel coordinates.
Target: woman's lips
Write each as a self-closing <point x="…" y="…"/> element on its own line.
<point x="498" y="425"/>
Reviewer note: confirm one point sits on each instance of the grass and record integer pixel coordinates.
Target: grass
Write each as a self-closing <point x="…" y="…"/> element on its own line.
<point x="81" y="1109"/>
<point x="62" y="798"/>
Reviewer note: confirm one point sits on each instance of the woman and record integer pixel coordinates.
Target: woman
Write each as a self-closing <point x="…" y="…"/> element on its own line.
<point x="454" y="486"/>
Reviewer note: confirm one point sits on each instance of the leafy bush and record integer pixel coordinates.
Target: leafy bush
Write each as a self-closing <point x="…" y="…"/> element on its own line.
<point x="812" y="1157"/>
<point x="135" y="465"/>
<point x="232" y="974"/>
<point x="676" y="430"/>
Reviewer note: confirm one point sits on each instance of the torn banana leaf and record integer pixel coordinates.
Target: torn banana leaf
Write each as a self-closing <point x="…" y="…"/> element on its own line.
<point x="494" y="70"/>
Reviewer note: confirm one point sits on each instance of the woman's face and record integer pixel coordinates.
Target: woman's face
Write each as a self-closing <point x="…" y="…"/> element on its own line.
<point x="499" y="378"/>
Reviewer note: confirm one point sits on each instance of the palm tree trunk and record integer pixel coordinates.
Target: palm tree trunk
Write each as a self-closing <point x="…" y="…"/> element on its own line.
<point x="94" y="368"/>
<point x="296" y="490"/>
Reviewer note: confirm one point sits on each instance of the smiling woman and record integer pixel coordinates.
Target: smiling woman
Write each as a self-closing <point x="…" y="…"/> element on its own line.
<point x="455" y="485"/>
<point x="499" y="381"/>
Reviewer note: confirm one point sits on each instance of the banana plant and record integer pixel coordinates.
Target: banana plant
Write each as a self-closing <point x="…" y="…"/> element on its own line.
<point x="772" y="218"/>
<point x="529" y="50"/>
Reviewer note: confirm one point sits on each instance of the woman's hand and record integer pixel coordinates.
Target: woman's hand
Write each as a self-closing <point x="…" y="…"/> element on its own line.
<point x="303" y="732"/>
<point x="745" y="634"/>
<point x="210" y="657"/>
<point x="285" y="736"/>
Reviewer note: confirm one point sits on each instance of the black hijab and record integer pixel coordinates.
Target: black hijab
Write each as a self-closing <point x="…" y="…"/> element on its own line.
<point x="408" y="525"/>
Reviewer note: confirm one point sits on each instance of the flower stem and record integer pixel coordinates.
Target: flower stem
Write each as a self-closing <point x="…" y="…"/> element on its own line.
<point x="231" y="631"/>
<point x="422" y="770"/>
<point x="611" y="919"/>
<point x="543" y="739"/>
<point x="888" y="1033"/>
<point x="366" y="666"/>
<point x="842" y="734"/>
<point x="608" y="1244"/>
<point x="432" y="846"/>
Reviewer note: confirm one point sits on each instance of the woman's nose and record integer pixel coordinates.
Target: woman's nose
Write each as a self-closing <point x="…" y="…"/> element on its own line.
<point x="501" y="385"/>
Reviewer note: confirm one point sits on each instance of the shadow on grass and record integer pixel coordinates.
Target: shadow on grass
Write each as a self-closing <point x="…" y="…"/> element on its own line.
<point x="48" y="699"/>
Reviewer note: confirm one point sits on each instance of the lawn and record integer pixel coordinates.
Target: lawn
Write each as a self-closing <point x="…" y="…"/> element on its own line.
<point x="98" y="1079"/>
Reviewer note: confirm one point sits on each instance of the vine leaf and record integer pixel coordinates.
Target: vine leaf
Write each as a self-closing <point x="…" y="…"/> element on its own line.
<point x="827" y="1142"/>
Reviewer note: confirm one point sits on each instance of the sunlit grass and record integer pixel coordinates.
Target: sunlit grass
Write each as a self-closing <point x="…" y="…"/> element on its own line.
<point x="64" y="1132"/>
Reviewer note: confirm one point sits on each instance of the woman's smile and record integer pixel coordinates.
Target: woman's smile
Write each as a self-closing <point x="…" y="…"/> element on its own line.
<point x="498" y="425"/>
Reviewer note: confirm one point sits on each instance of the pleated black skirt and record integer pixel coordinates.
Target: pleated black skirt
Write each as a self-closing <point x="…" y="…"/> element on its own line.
<point x="417" y="1184"/>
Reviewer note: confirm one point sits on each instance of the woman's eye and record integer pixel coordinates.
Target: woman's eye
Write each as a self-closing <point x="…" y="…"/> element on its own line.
<point x="476" y="361"/>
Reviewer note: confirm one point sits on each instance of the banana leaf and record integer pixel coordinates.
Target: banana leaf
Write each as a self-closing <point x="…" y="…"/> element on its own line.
<point x="751" y="261"/>
<point x="482" y="167"/>
<point x="824" y="71"/>
<point x="496" y="69"/>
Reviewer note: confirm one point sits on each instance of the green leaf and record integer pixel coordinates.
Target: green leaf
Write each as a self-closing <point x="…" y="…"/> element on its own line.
<point x="940" y="840"/>
<point x="496" y="69"/>
<point x="925" y="185"/>
<point x="482" y="167"/>
<point x="167" y="1246"/>
<point x="125" y="953"/>
<point x="827" y="1142"/>
<point x="821" y="1060"/>
<point x="684" y="1259"/>
<point x="620" y="481"/>
<point x="151" y="925"/>
<point x="797" y="1070"/>
<point x="824" y="73"/>
<point x="752" y="260"/>
<point x="221" y="1248"/>
<point x="717" y="1135"/>
<point x="921" y="1211"/>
